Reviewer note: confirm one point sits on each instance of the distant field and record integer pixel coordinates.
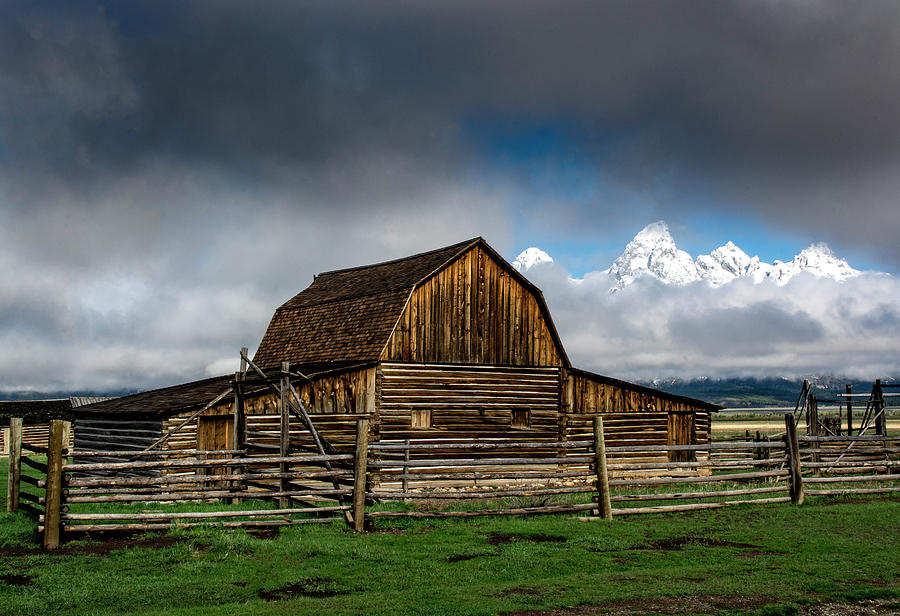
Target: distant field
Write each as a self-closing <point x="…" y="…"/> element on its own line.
<point x="724" y="425"/>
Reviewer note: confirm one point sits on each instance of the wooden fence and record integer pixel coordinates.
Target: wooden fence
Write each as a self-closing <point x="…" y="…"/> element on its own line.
<point x="91" y="491"/>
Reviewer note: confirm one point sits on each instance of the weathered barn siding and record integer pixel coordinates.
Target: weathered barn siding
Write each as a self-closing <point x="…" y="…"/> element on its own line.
<point x="468" y="401"/>
<point x="335" y="402"/>
<point x="632" y="416"/>
<point x="474" y="310"/>
<point x="132" y="432"/>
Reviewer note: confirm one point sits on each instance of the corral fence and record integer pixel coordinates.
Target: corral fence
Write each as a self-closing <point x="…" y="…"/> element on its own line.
<point x="117" y="490"/>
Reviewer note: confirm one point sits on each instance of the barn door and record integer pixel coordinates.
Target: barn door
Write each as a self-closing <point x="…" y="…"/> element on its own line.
<point x="215" y="433"/>
<point x="682" y="431"/>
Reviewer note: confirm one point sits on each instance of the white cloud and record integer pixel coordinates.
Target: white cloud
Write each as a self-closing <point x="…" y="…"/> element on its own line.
<point x="650" y="330"/>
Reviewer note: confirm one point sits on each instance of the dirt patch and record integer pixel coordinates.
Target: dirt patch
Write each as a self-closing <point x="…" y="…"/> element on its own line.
<point x="695" y="604"/>
<point x="101" y="548"/>
<point x="240" y="584"/>
<point x="862" y="608"/>
<point x="758" y="553"/>
<point x="528" y="592"/>
<point x="461" y="557"/>
<point x="14" y="579"/>
<point x="501" y="538"/>
<point x="318" y="588"/>
<point x="264" y="533"/>
<point x="853" y="500"/>
<point x="677" y="543"/>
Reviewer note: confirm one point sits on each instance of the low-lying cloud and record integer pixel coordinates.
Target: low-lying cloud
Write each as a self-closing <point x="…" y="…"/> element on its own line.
<point x="810" y="326"/>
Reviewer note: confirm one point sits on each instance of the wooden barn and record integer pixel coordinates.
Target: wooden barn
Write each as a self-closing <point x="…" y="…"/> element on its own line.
<point x="452" y="343"/>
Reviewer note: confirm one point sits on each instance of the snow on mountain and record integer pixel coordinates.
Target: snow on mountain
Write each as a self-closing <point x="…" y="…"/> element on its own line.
<point x="530" y="257"/>
<point x="652" y="252"/>
<point x="819" y="260"/>
<point x="728" y="262"/>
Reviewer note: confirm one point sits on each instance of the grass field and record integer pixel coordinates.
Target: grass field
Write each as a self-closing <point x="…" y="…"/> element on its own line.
<point x="829" y="556"/>
<point x="763" y="560"/>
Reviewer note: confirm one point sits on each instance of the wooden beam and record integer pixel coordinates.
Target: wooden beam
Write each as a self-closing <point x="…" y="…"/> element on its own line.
<point x="15" y="464"/>
<point x="53" y="496"/>
<point x="359" y="475"/>
<point x="602" y="474"/>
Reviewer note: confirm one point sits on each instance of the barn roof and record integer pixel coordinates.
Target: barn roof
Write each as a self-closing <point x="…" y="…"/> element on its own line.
<point x="34" y="410"/>
<point x="349" y="314"/>
<point x="187" y="397"/>
<point x="599" y="378"/>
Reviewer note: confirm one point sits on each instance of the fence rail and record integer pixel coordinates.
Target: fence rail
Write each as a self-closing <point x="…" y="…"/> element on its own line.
<point x="101" y="490"/>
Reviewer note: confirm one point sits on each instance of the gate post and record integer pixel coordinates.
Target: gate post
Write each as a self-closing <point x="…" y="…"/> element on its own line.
<point x="792" y="449"/>
<point x="602" y="475"/>
<point x="359" y="475"/>
<point x="15" y="464"/>
<point x="59" y="431"/>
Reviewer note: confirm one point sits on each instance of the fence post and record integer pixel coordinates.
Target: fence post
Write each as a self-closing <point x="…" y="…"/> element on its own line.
<point x="15" y="464"/>
<point x="359" y="475"/>
<point x="405" y="481"/>
<point x="55" y="446"/>
<point x="285" y="433"/>
<point x="849" y="410"/>
<point x="602" y="475"/>
<point x="792" y="448"/>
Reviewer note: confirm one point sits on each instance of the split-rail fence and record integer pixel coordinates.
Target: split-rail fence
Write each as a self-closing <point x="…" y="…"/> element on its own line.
<point x="72" y="491"/>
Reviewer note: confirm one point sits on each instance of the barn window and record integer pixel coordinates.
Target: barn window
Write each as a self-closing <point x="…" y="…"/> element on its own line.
<point x="421" y="418"/>
<point x="521" y="418"/>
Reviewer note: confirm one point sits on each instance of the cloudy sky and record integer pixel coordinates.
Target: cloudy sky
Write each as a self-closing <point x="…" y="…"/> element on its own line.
<point x="170" y="172"/>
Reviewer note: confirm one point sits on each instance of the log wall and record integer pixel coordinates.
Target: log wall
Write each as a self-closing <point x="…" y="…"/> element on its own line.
<point x="125" y="432"/>
<point x="32" y="434"/>
<point x="474" y="311"/>
<point x="468" y="401"/>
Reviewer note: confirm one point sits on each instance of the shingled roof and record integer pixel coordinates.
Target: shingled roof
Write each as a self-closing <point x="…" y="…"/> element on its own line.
<point x="349" y="314"/>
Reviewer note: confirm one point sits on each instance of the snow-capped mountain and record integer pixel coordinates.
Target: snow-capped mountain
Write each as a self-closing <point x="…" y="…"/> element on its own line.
<point x="530" y="257"/>
<point x="653" y="253"/>
<point x="818" y="259"/>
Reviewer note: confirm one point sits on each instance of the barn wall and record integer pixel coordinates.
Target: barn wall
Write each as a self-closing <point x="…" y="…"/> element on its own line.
<point x="468" y="401"/>
<point x="124" y="432"/>
<point x="335" y="402"/>
<point x="32" y="434"/>
<point x="473" y="311"/>
<point x="630" y="416"/>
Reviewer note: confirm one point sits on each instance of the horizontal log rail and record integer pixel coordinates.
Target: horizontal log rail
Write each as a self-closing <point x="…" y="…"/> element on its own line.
<point x="188" y="463"/>
<point x="623" y="498"/>
<point x="90" y="528"/>
<point x="38" y="466"/>
<point x="161" y="480"/>
<point x="153" y="454"/>
<point x="481" y="512"/>
<point x="852" y="478"/>
<point x="694" y="506"/>
<point x="480" y="446"/>
<point x="471" y="494"/>
<point x="702" y="479"/>
<point x="845" y="439"/>
<point x="199" y="515"/>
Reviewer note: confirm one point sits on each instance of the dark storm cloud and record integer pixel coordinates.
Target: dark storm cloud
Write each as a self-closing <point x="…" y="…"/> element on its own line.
<point x="179" y="159"/>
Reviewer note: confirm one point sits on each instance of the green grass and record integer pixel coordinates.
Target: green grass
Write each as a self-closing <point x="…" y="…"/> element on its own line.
<point x="824" y="551"/>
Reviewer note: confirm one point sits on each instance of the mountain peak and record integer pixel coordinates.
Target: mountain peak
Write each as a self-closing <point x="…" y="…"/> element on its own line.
<point x="654" y="232"/>
<point x="530" y="257"/>
<point x="653" y="253"/>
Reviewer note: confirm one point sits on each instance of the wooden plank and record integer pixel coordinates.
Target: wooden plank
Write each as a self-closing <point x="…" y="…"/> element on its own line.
<point x="53" y="495"/>
<point x="15" y="464"/>
<point x="359" y="475"/>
